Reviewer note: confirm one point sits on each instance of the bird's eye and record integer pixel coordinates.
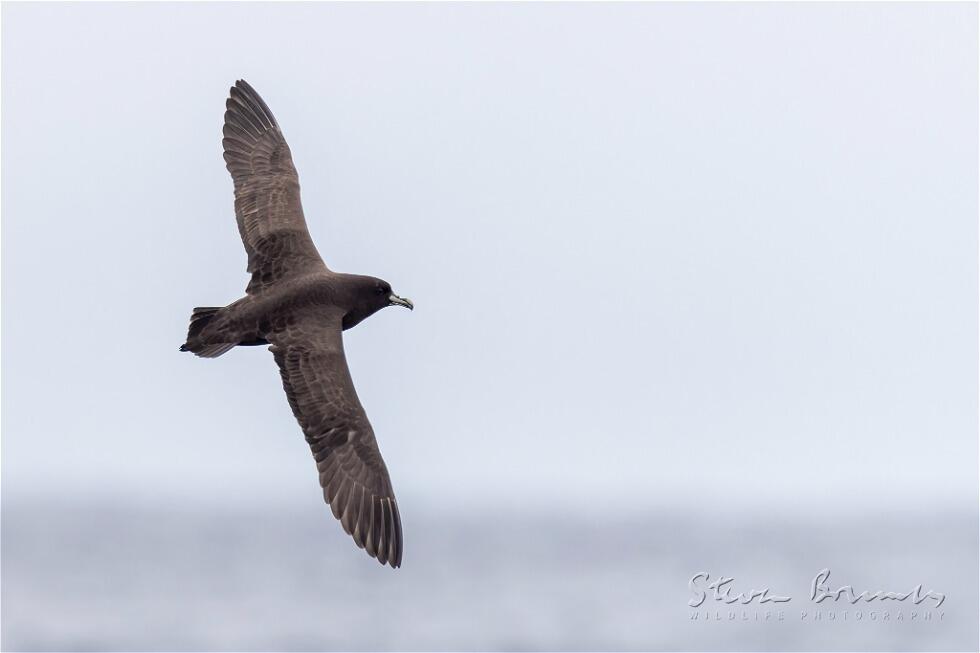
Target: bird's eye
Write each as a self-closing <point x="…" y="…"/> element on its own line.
<point x="379" y="291"/>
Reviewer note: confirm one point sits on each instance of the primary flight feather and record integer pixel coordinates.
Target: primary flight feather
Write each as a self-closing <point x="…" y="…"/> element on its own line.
<point x="296" y="304"/>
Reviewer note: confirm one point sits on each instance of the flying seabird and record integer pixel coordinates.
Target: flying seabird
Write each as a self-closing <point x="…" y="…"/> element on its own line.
<point x="296" y="304"/>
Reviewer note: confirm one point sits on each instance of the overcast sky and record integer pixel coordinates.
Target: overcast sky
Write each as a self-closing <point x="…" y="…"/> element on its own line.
<point x="725" y="253"/>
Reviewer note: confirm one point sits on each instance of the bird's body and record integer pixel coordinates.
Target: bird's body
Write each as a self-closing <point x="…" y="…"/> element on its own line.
<point x="300" y="307"/>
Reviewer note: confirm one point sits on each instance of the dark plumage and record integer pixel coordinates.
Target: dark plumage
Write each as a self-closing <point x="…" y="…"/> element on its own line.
<point x="300" y="307"/>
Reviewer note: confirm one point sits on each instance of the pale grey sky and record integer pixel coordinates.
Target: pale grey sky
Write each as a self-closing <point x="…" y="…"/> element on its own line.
<point x="724" y="253"/>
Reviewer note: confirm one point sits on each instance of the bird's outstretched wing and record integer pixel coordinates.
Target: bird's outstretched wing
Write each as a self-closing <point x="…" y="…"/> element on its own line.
<point x="310" y="353"/>
<point x="267" y="204"/>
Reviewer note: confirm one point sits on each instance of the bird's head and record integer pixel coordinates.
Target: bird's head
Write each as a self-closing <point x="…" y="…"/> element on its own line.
<point x="370" y="296"/>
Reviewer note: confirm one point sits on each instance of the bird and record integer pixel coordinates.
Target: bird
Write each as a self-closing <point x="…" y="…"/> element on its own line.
<point x="297" y="305"/>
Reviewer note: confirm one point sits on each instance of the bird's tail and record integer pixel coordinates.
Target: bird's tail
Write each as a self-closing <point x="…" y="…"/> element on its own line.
<point x="200" y="318"/>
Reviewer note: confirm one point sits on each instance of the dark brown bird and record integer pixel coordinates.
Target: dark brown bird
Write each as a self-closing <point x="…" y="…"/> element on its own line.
<point x="300" y="307"/>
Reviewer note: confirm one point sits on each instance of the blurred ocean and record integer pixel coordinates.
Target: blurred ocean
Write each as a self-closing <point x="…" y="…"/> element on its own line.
<point x="142" y="577"/>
